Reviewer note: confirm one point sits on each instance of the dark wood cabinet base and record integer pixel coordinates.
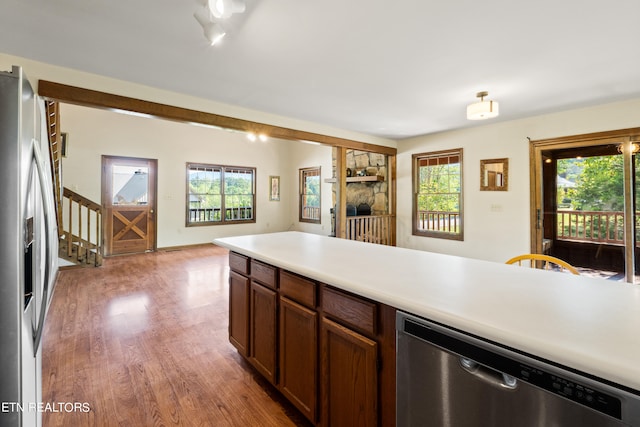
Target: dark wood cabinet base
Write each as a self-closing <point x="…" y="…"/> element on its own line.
<point x="329" y="352"/>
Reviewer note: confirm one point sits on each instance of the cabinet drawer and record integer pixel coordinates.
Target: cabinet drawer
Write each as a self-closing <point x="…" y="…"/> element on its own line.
<point x="350" y="310"/>
<point x="298" y="288"/>
<point x="264" y="273"/>
<point x="239" y="263"/>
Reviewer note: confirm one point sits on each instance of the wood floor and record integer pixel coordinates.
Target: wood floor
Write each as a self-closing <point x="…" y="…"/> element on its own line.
<point x="143" y="341"/>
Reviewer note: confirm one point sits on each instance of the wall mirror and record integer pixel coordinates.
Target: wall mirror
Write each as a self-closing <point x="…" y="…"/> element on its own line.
<point x="494" y="175"/>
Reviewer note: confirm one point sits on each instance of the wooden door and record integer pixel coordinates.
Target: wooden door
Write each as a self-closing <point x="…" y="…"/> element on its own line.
<point x="129" y="204"/>
<point x="262" y="330"/>
<point x="298" y="356"/>
<point x="349" y="377"/>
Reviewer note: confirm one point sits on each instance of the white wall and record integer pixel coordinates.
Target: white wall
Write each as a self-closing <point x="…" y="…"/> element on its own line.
<point x="306" y="156"/>
<point x="93" y="133"/>
<point x="496" y="223"/>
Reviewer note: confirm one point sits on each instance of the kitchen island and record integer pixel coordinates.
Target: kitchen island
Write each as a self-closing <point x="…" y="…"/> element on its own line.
<point x="586" y="324"/>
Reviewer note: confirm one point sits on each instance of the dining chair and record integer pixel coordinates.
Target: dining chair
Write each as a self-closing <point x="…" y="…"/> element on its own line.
<point x="546" y="262"/>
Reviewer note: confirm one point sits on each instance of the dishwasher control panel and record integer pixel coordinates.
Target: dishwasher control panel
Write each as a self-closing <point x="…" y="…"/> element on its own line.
<point x="571" y="390"/>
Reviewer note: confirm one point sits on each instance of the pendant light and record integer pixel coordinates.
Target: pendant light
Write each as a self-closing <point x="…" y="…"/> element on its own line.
<point x="482" y="110"/>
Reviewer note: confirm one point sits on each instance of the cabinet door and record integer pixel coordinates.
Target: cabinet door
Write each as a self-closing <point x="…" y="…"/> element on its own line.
<point x="239" y="312"/>
<point x="298" y="356"/>
<point x="349" y="377"/>
<point x="262" y="347"/>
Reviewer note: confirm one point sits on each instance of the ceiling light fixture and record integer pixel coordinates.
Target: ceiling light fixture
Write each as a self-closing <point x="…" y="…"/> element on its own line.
<point x="212" y="31"/>
<point x="222" y="9"/>
<point x="252" y="136"/>
<point x="482" y="110"/>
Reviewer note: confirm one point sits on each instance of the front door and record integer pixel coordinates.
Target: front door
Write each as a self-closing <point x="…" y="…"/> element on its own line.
<point x="129" y="203"/>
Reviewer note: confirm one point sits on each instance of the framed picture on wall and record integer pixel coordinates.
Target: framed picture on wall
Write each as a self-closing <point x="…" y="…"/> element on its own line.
<point x="274" y="188"/>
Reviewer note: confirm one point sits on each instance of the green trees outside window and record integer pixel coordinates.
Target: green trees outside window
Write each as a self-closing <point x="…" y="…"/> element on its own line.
<point x="591" y="183"/>
<point x="437" y="189"/>
<point x="310" y="195"/>
<point x="220" y="194"/>
<point x="590" y="199"/>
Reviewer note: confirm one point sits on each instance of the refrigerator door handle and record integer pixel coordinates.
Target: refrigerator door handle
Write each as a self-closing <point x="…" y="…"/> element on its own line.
<point x="42" y="178"/>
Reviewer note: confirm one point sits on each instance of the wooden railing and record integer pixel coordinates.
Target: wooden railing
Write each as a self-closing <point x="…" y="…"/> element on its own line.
<point x="214" y="214"/>
<point x="439" y="221"/>
<point x="55" y="154"/>
<point x="593" y="226"/>
<point x="371" y="228"/>
<point x="81" y="237"/>
<point x="311" y="212"/>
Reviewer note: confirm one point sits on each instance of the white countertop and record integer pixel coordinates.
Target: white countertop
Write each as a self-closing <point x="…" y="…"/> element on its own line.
<point x="588" y="324"/>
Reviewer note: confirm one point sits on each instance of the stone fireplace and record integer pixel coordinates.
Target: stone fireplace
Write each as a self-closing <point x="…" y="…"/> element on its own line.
<point x="373" y="193"/>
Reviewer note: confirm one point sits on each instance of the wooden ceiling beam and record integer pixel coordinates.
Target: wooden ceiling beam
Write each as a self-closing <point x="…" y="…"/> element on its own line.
<point x="92" y="98"/>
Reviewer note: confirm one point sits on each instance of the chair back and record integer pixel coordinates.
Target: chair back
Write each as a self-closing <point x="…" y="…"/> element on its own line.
<point x="545" y="262"/>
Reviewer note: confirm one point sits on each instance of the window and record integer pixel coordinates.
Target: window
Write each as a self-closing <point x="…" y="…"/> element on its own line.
<point x="310" y="195"/>
<point x="437" y="189"/>
<point x="220" y="194"/>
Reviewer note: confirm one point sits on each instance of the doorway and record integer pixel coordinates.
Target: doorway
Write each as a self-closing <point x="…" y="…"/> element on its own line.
<point x="129" y="204"/>
<point x="583" y="202"/>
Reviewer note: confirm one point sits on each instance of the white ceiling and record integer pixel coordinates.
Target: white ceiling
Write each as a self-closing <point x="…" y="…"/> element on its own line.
<point x="391" y="69"/>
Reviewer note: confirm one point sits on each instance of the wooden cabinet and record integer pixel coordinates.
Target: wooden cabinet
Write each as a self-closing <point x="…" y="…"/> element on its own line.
<point x="329" y="352"/>
<point x="298" y="288"/>
<point x="354" y="312"/>
<point x="266" y="274"/>
<point x="349" y="366"/>
<point x="263" y="330"/>
<point x="239" y="312"/>
<point x="239" y="263"/>
<point x="299" y="342"/>
<point x="298" y="356"/>
<point x="349" y="359"/>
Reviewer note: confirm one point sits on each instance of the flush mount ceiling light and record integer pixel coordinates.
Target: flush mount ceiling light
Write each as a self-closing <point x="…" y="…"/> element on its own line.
<point x="482" y="110"/>
<point x="212" y="31"/>
<point x="222" y="9"/>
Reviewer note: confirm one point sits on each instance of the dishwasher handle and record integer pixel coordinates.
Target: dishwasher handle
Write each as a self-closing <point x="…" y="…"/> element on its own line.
<point x="488" y="375"/>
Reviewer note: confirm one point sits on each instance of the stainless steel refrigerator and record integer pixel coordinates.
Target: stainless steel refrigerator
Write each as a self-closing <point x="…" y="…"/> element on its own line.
<point x="28" y="248"/>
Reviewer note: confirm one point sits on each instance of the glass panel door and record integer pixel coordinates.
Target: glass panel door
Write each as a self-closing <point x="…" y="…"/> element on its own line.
<point x="590" y="212"/>
<point x="130" y="185"/>
<point x="584" y="202"/>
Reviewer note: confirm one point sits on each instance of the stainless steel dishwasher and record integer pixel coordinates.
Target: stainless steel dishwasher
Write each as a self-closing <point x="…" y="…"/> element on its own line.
<point x="446" y="378"/>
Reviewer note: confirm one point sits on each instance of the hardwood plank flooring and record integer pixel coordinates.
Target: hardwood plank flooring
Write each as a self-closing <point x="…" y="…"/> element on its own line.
<point x="143" y="340"/>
